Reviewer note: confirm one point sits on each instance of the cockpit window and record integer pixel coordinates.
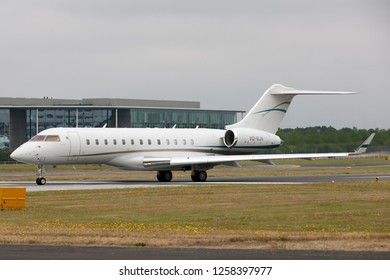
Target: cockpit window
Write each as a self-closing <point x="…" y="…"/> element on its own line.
<point x="46" y="138"/>
<point x="52" y="138"/>
<point x="38" y="138"/>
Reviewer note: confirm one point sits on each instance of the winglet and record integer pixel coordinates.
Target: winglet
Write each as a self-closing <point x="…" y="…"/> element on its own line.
<point x="363" y="147"/>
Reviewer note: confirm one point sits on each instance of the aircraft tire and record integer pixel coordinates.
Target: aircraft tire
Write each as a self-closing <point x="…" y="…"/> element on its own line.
<point x="164" y="176"/>
<point x="199" y="176"/>
<point x="41" y="181"/>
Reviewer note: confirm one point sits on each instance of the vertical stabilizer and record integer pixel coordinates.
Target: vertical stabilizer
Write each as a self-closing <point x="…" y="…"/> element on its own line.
<point x="269" y="111"/>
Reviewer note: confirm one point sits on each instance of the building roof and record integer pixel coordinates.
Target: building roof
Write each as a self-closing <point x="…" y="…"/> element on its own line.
<point x="12" y="102"/>
<point x="91" y="103"/>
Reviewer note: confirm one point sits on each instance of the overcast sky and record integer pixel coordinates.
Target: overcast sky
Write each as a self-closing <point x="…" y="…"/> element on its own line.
<point x="223" y="53"/>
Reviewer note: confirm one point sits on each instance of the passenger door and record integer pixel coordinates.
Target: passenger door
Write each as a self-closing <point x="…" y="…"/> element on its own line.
<point x="75" y="146"/>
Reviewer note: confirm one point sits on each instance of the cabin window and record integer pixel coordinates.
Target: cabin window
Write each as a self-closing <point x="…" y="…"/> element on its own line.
<point x="88" y="142"/>
<point x="141" y="142"/>
<point x="132" y="141"/>
<point x="114" y="141"/>
<point x="192" y="142"/>
<point x="175" y="141"/>
<point x="168" y="142"/>
<point x="184" y="142"/>
<point x="37" y="138"/>
<point x="123" y="142"/>
<point x="158" y="142"/>
<point x="97" y="141"/>
<point x="52" y="138"/>
<point x="105" y="142"/>
<point x="149" y="142"/>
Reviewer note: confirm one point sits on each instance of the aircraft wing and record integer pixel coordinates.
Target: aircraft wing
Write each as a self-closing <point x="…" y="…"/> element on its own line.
<point x="209" y="161"/>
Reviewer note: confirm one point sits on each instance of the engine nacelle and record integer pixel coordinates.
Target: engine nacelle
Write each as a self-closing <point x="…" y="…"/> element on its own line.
<point x="248" y="137"/>
<point x="230" y="139"/>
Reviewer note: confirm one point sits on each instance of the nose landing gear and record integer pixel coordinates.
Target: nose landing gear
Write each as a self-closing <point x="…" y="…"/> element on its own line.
<point x="41" y="179"/>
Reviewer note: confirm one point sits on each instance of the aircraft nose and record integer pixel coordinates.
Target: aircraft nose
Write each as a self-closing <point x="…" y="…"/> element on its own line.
<point x="16" y="155"/>
<point x="21" y="154"/>
<point x="28" y="154"/>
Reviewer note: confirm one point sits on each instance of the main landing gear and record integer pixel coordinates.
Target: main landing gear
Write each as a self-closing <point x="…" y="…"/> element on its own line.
<point x="164" y="176"/>
<point x="196" y="176"/>
<point x="199" y="176"/>
<point x="40" y="180"/>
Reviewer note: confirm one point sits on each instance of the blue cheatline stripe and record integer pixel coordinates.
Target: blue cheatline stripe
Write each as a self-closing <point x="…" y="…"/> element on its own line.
<point x="243" y="147"/>
<point x="270" y="110"/>
<point x="275" y="108"/>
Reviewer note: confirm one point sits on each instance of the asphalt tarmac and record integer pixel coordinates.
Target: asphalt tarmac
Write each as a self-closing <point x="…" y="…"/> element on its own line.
<point x="32" y="252"/>
<point x="153" y="183"/>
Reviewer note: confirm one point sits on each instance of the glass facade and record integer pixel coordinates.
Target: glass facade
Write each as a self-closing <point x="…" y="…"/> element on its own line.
<point x="94" y="117"/>
<point x="139" y="117"/>
<point x="48" y="118"/>
<point x="146" y="117"/>
<point x="38" y="119"/>
<point x="4" y="129"/>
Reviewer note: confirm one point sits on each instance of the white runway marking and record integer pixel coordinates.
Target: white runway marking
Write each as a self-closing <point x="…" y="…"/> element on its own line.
<point x="99" y="185"/>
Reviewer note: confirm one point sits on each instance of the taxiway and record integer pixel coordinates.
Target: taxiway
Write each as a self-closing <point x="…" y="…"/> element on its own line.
<point x="150" y="183"/>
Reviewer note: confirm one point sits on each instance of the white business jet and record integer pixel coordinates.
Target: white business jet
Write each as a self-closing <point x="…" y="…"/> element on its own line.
<point x="167" y="149"/>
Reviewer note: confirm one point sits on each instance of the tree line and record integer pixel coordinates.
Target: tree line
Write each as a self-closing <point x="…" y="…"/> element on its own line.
<point x="322" y="139"/>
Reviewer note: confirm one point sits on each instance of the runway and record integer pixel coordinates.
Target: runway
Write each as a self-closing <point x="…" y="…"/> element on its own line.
<point x="151" y="183"/>
<point x="34" y="252"/>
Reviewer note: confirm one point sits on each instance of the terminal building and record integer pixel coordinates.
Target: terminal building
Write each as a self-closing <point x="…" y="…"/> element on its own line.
<point x="22" y="118"/>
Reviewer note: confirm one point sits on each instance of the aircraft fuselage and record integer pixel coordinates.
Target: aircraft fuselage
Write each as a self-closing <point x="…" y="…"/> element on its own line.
<point x="127" y="148"/>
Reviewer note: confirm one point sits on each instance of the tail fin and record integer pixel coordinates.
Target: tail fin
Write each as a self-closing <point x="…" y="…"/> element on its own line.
<point x="269" y="111"/>
<point x="363" y="147"/>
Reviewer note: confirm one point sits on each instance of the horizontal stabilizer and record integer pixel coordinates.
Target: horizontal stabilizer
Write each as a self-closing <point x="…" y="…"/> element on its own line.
<point x="282" y="90"/>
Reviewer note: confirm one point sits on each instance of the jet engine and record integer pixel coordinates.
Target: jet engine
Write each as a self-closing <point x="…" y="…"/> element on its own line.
<point x="249" y="137"/>
<point x="230" y="138"/>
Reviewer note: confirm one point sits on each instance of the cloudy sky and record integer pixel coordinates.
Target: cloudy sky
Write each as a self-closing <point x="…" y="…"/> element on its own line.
<point x="223" y="53"/>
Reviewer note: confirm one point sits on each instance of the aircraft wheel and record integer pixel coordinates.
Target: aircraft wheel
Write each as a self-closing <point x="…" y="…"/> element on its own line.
<point x="199" y="176"/>
<point x="202" y="176"/>
<point x="194" y="178"/>
<point x="41" y="181"/>
<point x="164" y="176"/>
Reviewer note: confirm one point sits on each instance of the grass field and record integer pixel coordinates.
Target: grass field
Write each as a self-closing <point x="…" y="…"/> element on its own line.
<point x="346" y="216"/>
